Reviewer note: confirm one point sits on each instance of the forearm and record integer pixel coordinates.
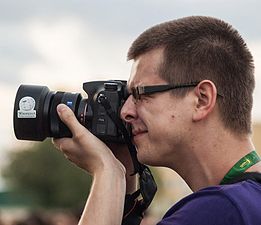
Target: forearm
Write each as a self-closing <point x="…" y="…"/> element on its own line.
<point x="105" y="203"/>
<point x="106" y="200"/>
<point x="122" y="153"/>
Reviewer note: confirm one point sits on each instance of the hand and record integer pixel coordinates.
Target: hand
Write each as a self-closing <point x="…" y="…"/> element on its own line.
<point x="84" y="149"/>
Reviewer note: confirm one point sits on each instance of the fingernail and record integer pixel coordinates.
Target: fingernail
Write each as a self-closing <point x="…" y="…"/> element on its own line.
<point x="60" y="108"/>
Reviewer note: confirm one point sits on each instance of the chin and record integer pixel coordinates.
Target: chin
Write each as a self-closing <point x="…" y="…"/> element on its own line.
<point x="141" y="158"/>
<point x="145" y="160"/>
<point x="149" y="161"/>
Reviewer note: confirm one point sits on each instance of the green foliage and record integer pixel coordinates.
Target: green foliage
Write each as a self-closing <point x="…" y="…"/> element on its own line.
<point x="46" y="178"/>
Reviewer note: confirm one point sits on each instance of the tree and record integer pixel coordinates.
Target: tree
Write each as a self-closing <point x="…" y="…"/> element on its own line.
<point x="46" y="178"/>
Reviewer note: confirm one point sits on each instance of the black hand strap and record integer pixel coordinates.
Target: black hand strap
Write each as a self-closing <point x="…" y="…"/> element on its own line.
<point x="133" y="212"/>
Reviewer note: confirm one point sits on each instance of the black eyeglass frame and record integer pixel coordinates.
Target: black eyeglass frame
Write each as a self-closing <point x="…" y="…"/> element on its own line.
<point x="138" y="91"/>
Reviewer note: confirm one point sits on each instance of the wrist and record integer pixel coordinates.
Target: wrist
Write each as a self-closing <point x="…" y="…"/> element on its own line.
<point x="110" y="167"/>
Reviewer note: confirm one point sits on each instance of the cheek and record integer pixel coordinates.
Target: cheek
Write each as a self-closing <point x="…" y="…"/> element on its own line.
<point x="163" y="127"/>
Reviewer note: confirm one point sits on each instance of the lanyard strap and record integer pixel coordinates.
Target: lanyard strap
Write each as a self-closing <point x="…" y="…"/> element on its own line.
<point x="241" y="166"/>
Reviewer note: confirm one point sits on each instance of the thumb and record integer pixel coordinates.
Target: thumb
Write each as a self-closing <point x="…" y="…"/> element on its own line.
<point x="68" y="118"/>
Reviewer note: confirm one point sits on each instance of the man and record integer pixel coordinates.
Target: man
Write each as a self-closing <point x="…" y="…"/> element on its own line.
<point x="198" y="124"/>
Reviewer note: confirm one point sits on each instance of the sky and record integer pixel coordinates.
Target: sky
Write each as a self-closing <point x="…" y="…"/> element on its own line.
<point x="61" y="44"/>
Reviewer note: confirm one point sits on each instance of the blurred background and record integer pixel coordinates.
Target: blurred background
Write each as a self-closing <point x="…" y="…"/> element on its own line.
<point x="62" y="44"/>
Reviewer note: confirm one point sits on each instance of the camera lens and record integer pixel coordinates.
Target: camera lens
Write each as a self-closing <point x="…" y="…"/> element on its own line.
<point x="35" y="115"/>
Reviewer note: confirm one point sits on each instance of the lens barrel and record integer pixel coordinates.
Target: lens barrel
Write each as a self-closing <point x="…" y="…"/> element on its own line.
<point x="35" y="116"/>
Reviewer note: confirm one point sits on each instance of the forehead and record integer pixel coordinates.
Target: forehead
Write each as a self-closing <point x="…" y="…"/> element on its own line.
<point x="145" y="69"/>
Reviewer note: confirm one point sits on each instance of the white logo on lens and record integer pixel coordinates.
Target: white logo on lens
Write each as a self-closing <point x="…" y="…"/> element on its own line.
<point x="26" y="108"/>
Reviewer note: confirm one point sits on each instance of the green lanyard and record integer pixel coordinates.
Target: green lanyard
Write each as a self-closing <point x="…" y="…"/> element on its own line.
<point x="241" y="166"/>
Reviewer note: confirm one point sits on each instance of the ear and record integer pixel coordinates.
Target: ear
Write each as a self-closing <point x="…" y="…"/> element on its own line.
<point x="206" y="94"/>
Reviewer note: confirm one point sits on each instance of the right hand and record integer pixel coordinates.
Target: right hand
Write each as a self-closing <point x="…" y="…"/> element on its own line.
<point x="84" y="149"/>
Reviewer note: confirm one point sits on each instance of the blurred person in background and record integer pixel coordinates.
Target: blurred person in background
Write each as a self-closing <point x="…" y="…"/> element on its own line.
<point x="33" y="219"/>
<point x="189" y="107"/>
<point x="1" y="221"/>
<point x="64" y="218"/>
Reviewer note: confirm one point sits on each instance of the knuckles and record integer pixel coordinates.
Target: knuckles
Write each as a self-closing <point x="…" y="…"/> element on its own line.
<point x="62" y="147"/>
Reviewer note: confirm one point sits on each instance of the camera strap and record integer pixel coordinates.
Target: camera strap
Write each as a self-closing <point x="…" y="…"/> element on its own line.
<point x="254" y="176"/>
<point x="241" y="166"/>
<point x="138" y="167"/>
<point x="134" y="207"/>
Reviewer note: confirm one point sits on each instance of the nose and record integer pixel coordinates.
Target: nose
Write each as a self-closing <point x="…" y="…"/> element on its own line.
<point x="128" y="110"/>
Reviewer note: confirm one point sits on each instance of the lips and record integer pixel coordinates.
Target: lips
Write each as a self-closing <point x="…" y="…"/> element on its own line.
<point x="138" y="132"/>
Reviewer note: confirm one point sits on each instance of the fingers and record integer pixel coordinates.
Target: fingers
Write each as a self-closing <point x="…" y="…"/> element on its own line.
<point x="63" y="143"/>
<point x="84" y="149"/>
<point x="70" y="150"/>
<point x="69" y="119"/>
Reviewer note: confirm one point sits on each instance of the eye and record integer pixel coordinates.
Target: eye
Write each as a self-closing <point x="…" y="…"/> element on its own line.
<point x="145" y="98"/>
<point x="134" y="93"/>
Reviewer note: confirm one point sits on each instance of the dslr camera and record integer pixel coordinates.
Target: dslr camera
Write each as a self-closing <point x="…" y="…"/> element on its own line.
<point x="35" y="116"/>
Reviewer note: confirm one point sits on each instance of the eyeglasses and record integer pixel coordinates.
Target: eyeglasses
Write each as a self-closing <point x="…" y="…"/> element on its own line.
<point x="138" y="91"/>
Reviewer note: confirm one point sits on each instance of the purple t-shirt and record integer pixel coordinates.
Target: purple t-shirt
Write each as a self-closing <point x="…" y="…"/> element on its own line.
<point x="234" y="204"/>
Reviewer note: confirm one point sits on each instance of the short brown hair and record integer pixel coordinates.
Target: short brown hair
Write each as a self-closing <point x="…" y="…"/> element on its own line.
<point x="198" y="48"/>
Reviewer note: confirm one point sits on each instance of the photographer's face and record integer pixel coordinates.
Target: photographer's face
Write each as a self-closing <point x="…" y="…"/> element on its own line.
<point x="158" y="120"/>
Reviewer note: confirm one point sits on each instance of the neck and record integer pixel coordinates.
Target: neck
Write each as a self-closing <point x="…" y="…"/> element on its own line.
<point x="206" y="161"/>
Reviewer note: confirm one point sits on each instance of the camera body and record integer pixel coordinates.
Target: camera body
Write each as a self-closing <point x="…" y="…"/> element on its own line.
<point x="35" y="116"/>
